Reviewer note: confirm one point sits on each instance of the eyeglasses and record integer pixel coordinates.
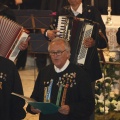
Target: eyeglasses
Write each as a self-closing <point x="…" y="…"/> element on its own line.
<point x="56" y="53"/>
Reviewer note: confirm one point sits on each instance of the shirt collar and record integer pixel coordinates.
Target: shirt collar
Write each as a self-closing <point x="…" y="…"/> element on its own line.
<point x="78" y="11"/>
<point x="63" y="68"/>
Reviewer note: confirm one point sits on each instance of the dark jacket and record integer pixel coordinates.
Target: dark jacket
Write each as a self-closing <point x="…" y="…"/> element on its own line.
<point x="79" y="94"/>
<point x="11" y="3"/>
<point x="11" y="107"/>
<point x="6" y="11"/>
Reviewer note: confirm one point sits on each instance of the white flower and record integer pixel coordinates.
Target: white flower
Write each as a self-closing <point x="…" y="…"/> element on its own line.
<point x="96" y="87"/>
<point x="114" y="102"/>
<point x="116" y="91"/>
<point x="112" y="95"/>
<point x="101" y="101"/>
<point x="100" y="98"/>
<point x="103" y="79"/>
<point x="117" y="106"/>
<point x="102" y="109"/>
<point x="106" y="84"/>
<point x="107" y="103"/>
<point x="112" y="86"/>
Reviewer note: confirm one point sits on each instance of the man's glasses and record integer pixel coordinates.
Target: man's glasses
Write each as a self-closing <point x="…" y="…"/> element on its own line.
<point x="56" y="53"/>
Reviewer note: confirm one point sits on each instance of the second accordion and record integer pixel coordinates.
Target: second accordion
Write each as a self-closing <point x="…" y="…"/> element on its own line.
<point x="11" y="35"/>
<point x="76" y="30"/>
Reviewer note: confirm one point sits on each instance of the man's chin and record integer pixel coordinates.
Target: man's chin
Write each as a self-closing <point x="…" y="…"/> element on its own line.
<point x="57" y="65"/>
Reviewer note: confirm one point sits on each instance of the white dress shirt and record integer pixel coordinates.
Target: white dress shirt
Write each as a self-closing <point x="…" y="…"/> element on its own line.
<point x="78" y="11"/>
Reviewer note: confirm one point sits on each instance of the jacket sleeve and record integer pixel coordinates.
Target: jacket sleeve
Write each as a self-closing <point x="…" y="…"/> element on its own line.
<point x="102" y="40"/>
<point x="7" y="12"/>
<point x="85" y="105"/>
<point x="37" y="93"/>
<point x="17" y="103"/>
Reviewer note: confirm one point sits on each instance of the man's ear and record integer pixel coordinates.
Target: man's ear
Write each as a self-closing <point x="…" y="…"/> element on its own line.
<point x="68" y="55"/>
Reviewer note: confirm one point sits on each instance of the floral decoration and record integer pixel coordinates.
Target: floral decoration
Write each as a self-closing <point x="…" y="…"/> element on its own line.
<point x="107" y="94"/>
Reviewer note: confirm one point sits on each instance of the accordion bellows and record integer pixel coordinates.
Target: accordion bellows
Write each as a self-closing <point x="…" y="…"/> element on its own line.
<point x="11" y="35"/>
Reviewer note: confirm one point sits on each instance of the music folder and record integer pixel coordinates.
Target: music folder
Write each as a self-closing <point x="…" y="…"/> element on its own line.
<point x="45" y="108"/>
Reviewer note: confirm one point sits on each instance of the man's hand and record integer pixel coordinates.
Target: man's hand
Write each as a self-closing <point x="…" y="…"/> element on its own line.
<point x="65" y="109"/>
<point x="51" y="34"/>
<point x="24" y="45"/>
<point x="35" y="110"/>
<point x="89" y="42"/>
<point x="17" y="2"/>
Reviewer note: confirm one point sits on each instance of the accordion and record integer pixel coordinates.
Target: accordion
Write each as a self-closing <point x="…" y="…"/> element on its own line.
<point x="75" y="30"/>
<point x="11" y="35"/>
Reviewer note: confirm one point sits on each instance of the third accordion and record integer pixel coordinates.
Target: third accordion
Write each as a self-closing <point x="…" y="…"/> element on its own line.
<point x="11" y="35"/>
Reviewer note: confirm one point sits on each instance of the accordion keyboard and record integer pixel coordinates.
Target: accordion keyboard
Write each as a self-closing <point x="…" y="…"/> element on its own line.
<point x="62" y="27"/>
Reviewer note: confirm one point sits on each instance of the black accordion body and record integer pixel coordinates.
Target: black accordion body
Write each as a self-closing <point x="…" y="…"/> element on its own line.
<point x="81" y="30"/>
<point x="75" y="31"/>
